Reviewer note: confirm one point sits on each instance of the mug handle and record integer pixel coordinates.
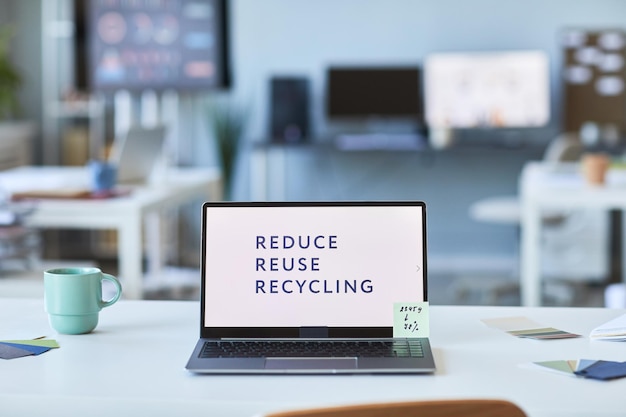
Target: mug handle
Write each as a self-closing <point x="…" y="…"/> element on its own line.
<point x="118" y="286"/>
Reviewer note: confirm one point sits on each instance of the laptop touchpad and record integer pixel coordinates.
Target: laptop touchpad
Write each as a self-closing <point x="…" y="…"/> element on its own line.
<point x="310" y="363"/>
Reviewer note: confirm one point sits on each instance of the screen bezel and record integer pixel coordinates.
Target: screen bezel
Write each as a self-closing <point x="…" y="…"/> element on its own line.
<point x="296" y="332"/>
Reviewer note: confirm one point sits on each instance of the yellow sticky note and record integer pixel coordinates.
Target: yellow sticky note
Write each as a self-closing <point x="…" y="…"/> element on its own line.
<point x="411" y="319"/>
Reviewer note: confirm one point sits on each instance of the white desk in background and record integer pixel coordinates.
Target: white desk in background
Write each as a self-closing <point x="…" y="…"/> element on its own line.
<point x="549" y="186"/>
<point x="126" y="213"/>
<point x="133" y="364"/>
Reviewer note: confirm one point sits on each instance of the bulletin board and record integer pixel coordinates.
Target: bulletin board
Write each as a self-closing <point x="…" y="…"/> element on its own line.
<point x="594" y="75"/>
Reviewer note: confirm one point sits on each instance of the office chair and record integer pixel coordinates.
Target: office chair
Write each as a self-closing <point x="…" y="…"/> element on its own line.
<point x="436" y="408"/>
<point x="506" y="209"/>
<point x="17" y="241"/>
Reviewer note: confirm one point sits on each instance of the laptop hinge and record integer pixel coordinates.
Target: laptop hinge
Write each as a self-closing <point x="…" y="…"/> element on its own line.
<point x="313" y="332"/>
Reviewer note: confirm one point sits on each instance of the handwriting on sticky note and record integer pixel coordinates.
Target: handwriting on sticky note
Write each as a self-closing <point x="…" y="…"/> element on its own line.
<point x="411" y="319"/>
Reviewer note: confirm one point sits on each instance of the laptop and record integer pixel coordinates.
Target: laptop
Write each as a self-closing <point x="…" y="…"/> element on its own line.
<point x="294" y="288"/>
<point x="137" y="153"/>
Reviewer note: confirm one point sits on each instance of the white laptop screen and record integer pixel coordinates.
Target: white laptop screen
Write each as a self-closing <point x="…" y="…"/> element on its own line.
<point x="294" y="265"/>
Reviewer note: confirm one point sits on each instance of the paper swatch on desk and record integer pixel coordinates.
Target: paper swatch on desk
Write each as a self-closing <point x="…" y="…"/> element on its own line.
<point x="614" y="330"/>
<point x="525" y="328"/>
<point x="564" y="367"/>
<point x="604" y="370"/>
<point x="586" y="368"/>
<point x="12" y="349"/>
<point x="10" y="352"/>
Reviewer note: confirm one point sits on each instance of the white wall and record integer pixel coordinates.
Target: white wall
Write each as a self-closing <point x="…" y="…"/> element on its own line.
<point x="273" y="37"/>
<point x="302" y="37"/>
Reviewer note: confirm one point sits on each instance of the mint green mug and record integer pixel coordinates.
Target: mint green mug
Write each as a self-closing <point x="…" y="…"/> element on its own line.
<point x="73" y="298"/>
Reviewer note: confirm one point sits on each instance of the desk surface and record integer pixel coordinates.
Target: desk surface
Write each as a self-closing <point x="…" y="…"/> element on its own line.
<point x="561" y="185"/>
<point x="71" y="178"/>
<point x="178" y="186"/>
<point x="134" y="364"/>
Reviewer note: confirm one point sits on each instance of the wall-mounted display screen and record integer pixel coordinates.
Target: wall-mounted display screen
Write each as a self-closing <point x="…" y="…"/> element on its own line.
<point x="487" y="89"/>
<point x="357" y="92"/>
<point x="140" y="44"/>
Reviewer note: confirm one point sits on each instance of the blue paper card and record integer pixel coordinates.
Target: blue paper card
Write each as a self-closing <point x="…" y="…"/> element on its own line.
<point x="11" y="352"/>
<point x="36" y="350"/>
<point x="604" y="370"/>
<point x="11" y="349"/>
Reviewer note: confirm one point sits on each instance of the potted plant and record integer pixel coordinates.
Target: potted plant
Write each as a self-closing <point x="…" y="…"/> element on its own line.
<point x="228" y="121"/>
<point x="10" y="78"/>
<point x="15" y="135"/>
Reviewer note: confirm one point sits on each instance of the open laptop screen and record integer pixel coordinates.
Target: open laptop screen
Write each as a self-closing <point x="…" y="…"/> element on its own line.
<point x="293" y="265"/>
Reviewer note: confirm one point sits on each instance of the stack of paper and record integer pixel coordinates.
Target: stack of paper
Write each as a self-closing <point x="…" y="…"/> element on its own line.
<point x="612" y="330"/>
<point x="11" y="349"/>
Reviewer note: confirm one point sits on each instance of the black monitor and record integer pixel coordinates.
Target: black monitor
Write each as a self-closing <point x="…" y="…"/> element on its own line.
<point x="363" y="92"/>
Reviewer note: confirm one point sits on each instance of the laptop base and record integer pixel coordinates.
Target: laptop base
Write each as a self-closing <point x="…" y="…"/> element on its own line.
<point x="311" y="365"/>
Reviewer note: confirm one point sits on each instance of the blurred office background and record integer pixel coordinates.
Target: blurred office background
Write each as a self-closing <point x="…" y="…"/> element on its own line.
<point x="273" y="61"/>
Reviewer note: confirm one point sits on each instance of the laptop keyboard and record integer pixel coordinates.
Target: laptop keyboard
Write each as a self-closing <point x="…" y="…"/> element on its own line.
<point x="256" y="349"/>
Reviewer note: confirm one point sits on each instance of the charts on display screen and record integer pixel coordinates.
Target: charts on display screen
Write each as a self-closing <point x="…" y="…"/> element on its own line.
<point x="158" y="44"/>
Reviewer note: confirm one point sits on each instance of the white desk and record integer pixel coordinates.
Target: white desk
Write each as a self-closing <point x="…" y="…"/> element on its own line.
<point x="126" y="214"/>
<point x="133" y="364"/>
<point x="546" y="186"/>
